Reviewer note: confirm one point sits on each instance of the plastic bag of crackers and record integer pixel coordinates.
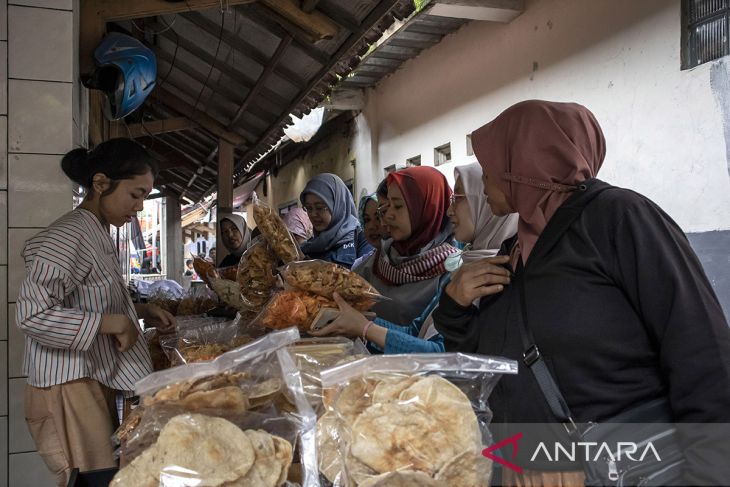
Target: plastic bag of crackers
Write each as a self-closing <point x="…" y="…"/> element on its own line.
<point x="275" y="232"/>
<point x="239" y="420"/>
<point x="417" y="419"/>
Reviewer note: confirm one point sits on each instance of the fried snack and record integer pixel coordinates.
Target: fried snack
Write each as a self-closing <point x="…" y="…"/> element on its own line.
<point x="192" y="305"/>
<point x="325" y="278"/>
<point x="276" y="234"/>
<point x="159" y="359"/>
<point x="298" y="308"/>
<point x="405" y="478"/>
<point x="190" y="353"/>
<point x="210" y="451"/>
<point x="401" y="430"/>
<point x="228" y="291"/>
<point x="129" y="424"/>
<point x="228" y="273"/>
<point x="468" y="469"/>
<point x="179" y="390"/>
<point x="255" y="275"/>
<point x="204" y="269"/>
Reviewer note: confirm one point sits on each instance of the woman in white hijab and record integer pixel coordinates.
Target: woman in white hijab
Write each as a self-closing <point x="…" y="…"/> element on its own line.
<point x="235" y="236"/>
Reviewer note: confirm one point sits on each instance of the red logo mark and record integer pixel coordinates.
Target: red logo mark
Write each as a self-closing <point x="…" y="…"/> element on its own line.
<point x="512" y="440"/>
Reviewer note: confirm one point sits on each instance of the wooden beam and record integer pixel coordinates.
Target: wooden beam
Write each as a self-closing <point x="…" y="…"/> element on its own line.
<point x="225" y="188"/>
<point x="242" y="46"/>
<point x="372" y="18"/>
<point x="175" y="124"/>
<point x="279" y="26"/>
<point x="207" y="58"/>
<point x="91" y="31"/>
<point x="315" y="23"/>
<point x="309" y="5"/>
<point x="225" y="176"/>
<point x="116" y="10"/>
<point x="273" y="62"/>
<point x="201" y="118"/>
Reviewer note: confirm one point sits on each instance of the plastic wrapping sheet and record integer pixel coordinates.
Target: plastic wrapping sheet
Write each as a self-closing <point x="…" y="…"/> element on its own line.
<point x="204" y="339"/>
<point x="275" y="232"/>
<point x="419" y="419"/>
<point x="313" y="355"/>
<point x="255" y="387"/>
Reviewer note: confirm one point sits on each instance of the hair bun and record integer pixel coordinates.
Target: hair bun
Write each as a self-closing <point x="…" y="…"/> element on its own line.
<point x="75" y="165"/>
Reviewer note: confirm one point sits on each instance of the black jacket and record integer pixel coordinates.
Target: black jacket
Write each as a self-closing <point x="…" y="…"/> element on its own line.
<point x="622" y="311"/>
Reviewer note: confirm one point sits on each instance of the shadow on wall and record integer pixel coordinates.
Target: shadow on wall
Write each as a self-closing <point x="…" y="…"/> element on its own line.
<point x="547" y="33"/>
<point x="712" y="249"/>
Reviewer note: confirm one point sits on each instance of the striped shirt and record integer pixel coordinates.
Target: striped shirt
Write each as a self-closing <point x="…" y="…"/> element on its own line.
<point x="73" y="277"/>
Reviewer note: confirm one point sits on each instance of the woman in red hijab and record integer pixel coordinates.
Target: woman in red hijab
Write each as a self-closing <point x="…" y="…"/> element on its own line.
<point x="409" y="267"/>
<point x="616" y="301"/>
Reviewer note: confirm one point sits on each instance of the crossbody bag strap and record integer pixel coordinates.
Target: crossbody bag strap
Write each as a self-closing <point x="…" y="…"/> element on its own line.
<point x="532" y="358"/>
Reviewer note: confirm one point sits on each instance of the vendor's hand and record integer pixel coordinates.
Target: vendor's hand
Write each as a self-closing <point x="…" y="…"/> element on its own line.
<point x="349" y="323"/>
<point x="478" y="279"/>
<point x="123" y="329"/>
<point x="155" y="316"/>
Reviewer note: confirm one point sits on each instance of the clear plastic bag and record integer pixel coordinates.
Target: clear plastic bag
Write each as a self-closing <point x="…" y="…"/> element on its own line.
<point x="297" y="308"/>
<point x="254" y="387"/>
<point x="204" y="339"/>
<point x="227" y="273"/>
<point x="256" y="276"/>
<point x="325" y="278"/>
<point x="420" y="418"/>
<point x="275" y="232"/>
<point x="204" y="269"/>
<point x="313" y="355"/>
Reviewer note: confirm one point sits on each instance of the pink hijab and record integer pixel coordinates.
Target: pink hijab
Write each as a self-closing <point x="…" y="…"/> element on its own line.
<point x="537" y="152"/>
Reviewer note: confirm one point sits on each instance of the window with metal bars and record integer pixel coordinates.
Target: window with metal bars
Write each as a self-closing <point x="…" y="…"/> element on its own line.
<point x="705" y="32"/>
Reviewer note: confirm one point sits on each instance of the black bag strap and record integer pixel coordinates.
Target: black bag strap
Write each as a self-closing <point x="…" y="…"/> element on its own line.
<point x="532" y="358"/>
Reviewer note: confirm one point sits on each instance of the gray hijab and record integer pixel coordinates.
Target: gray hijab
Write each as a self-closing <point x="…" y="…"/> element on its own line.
<point x="240" y="224"/>
<point x="332" y="190"/>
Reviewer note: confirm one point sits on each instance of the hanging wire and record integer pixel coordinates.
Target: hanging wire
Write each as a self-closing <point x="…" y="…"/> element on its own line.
<point x="169" y="26"/>
<point x="212" y="65"/>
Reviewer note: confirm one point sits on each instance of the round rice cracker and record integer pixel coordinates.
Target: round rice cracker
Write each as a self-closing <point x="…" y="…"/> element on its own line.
<point x="142" y="471"/>
<point x="405" y="478"/>
<point x="390" y="388"/>
<point x="269" y="464"/>
<point x="216" y="450"/>
<point x="284" y="453"/>
<point x="354" y="398"/>
<point x="468" y="469"/>
<point x="330" y="435"/>
<point x="449" y="405"/>
<point x="400" y="435"/>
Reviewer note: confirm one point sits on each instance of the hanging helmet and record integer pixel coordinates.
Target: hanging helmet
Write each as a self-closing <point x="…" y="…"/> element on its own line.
<point x="126" y="72"/>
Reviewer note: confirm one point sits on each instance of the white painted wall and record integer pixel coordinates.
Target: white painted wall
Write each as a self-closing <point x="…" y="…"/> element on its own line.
<point x="620" y="58"/>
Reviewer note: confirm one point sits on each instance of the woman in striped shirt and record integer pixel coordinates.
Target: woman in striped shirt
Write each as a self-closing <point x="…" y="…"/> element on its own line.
<point x="82" y="338"/>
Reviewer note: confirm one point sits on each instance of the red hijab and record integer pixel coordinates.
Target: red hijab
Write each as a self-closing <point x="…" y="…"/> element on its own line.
<point x="427" y="195"/>
<point x="537" y="152"/>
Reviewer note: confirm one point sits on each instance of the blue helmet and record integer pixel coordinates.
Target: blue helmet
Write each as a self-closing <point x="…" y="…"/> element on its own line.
<point x="127" y="72"/>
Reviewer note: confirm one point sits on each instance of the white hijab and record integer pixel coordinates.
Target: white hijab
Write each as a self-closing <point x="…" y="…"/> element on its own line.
<point x="489" y="230"/>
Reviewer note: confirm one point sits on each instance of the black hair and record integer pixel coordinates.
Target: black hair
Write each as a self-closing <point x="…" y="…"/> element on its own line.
<point x="188" y="262"/>
<point x="382" y="190"/>
<point x="118" y="159"/>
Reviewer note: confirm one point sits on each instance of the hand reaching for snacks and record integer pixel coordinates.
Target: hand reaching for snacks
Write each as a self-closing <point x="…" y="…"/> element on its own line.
<point x="155" y="316"/>
<point x="352" y="323"/>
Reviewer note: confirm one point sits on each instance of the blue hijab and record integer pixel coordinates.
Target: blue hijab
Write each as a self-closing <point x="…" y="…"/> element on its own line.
<point x="332" y="190"/>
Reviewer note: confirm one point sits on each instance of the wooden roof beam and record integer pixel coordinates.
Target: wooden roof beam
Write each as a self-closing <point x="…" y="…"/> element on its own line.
<point x="116" y="10"/>
<point x="242" y="46"/>
<point x="159" y="127"/>
<point x="201" y="118"/>
<point x="309" y="5"/>
<point x="315" y="23"/>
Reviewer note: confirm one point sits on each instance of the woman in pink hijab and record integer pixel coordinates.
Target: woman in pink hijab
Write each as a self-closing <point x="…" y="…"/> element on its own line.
<point x="602" y="283"/>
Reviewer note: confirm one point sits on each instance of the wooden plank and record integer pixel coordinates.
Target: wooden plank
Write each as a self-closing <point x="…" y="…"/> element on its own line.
<point x="262" y="80"/>
<point x="205" y="121"/>
<point x="315" y="22"/>
<point x="309" y="5"/>
<point x="116" y="10"/>
<point x="225" y="176"/>
<point x="225" y="190"/>
<point x="159" y="127"/>
<point x="244" y="47"/>
<point x="91" y="31"/>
